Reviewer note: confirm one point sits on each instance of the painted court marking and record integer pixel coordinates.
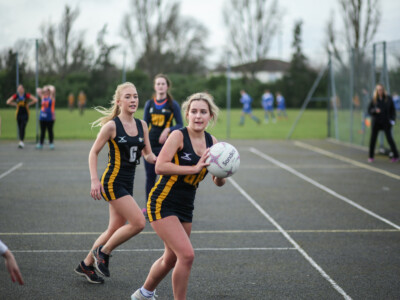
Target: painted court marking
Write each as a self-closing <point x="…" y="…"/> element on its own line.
<point x="345" y="159"/>
<point x="212" y="232"/>
<point x="160" y="250"/>
<point x="11" y="170"/>
<point x="322" y="187"/>
<point x="289" y="238"/>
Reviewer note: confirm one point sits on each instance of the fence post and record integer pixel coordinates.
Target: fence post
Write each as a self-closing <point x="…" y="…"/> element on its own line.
<point x="333" y="96"/>
<point x="228" y="97"/>
<point x="307" y="100"/>
<point x="385" y="70"/>
<point x="36" y="86"/>
<point x="351" y="92"/>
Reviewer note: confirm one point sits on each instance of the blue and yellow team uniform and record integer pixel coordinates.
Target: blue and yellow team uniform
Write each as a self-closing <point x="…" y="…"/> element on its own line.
<point x="124" y="155"/>
<point x="22" y="105"/>
<point x="173" y="195"/>
<point x="158" y="117"/>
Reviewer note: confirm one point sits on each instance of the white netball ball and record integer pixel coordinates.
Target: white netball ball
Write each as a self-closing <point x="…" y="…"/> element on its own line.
<point x="224" y="160"/>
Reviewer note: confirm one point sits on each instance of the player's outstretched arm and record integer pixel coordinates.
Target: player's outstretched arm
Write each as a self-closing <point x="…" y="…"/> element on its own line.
<point x="12" y="267"/>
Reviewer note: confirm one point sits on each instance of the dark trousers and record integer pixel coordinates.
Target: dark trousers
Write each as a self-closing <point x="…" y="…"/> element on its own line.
<point x="150" y="178"/>
<point x="22" y="121"/>
<point x="46" y="125"/>
<point x="388" y="132"/>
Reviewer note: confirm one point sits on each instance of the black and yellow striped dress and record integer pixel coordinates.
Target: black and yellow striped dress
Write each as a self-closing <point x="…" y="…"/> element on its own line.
<point x="123" y="156"/>
<point x="174" y="194"/>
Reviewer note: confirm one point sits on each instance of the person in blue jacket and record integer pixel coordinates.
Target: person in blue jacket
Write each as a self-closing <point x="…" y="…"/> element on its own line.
<point x="267" y="101"/>
<point x="281" y="106"/>
<point x="246" y="110"/>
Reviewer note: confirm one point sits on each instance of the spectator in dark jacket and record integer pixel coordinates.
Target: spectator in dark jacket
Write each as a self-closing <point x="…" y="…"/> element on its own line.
<point x="383" y="113"/>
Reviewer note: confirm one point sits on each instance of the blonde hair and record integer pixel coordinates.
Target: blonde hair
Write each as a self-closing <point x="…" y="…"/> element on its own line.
<point x="212" y="107"/>
<point x="114" y="110"/>
<point x="376" y="96"/>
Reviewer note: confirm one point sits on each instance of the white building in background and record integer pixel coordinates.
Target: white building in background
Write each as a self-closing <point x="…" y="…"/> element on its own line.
<point x="265" y="70"/>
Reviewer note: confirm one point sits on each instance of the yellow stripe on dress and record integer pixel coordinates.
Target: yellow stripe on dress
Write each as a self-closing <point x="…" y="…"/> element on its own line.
<point x="169" y="121"/>
<point x="149" y="200"/>
<point x="117" y="165"/>
<point x="166" y="190"/>
<point x="105" y="173"/>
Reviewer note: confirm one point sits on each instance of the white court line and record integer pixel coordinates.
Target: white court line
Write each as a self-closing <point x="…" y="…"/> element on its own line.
<point x="289" y="238"/>
<point x="11" y="170"/>
<point x="322" y="187"/>
<point x="347" y="160"/>
<point x="213" y="232"/>
<point x="160" y="250"/>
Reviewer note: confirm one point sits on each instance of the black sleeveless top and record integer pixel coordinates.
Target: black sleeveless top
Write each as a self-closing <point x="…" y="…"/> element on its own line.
<point x="124" y="153"/>
<point x="178" y="191"/>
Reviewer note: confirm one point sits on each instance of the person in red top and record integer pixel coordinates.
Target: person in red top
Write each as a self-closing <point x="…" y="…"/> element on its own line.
<point x="20" y="101"/>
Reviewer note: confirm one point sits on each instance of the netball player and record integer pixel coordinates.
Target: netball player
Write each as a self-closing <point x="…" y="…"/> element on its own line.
<point x="182" y="166"/>
<point x="159" y="114"/>
<point x="47" y="116"/>
<point x="20" y="101"/>
<point x="126" y="138"/>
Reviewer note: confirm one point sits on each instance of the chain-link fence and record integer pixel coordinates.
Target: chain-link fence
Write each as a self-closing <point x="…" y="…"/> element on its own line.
<point x="353" y="77"/>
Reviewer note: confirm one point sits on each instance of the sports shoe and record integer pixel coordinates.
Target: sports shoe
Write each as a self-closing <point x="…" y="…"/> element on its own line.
<point x="89" y="272"/>
<point x="394" y="160"/>
<point x="39" y="146"/>
<point x="370" y="160"/>
<point x="138" y="296"/>
<point x="21" y="145"/>
<point x="51" y="146"/>
<point x="101" y="261"/>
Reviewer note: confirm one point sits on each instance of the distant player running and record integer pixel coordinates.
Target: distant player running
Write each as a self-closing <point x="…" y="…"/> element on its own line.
<point x="267" y="101"/>
<point x="127" y="138"/>
<point x="281" y="106"/>
<point x="246" y="101"/>
<point x="20" y="101"/>
<point x="182" y="166"/>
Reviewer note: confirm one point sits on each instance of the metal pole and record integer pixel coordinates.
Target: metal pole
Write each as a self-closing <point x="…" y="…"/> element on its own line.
<point x="124" y="68"/>
<point x="36" y="88"/>
<point x="307" y="100"/>
<point x="385" y="70"/>
<point x="373" y="67"/>
<point x="228" y="97"/>
<point x="333" y="99"/>
<point x="17" y="69"/>
<point x="17" y="81"/>
<point x="351" y="93"/>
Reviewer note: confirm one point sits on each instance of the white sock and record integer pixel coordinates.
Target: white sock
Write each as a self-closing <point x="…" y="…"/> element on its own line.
<point x="146" y="293"/>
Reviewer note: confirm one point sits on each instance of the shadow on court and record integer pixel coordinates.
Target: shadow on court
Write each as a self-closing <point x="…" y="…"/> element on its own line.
<point x="309" y="220"/>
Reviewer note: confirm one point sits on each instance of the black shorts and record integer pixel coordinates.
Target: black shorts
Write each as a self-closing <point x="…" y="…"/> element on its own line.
<point x="179" y="203"/>
<point x="183" y="216"/>
<point x="117" y="190"/>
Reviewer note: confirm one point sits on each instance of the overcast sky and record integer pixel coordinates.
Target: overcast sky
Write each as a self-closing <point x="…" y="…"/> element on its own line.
<point x="21" y="19"/>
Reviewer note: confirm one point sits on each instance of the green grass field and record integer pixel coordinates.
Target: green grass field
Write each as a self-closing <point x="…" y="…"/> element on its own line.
<point x="72" y="125"/>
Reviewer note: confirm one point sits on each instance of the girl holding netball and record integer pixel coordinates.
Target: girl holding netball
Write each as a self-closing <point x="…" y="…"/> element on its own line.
<point x="159" y="114"/>
<point x="127" y="139"/>
<point x="182" y="165"/>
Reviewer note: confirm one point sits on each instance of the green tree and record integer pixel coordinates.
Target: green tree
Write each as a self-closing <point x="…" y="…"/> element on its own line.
<point x="162" y="40"/>
<point x="299" y="78"/>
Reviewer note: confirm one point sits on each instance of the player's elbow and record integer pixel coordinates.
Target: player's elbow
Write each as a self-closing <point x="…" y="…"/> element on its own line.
<point x="159" y="169"/>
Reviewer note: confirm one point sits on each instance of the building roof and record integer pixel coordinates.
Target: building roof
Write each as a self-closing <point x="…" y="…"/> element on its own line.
<point x="269" y="65"/>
